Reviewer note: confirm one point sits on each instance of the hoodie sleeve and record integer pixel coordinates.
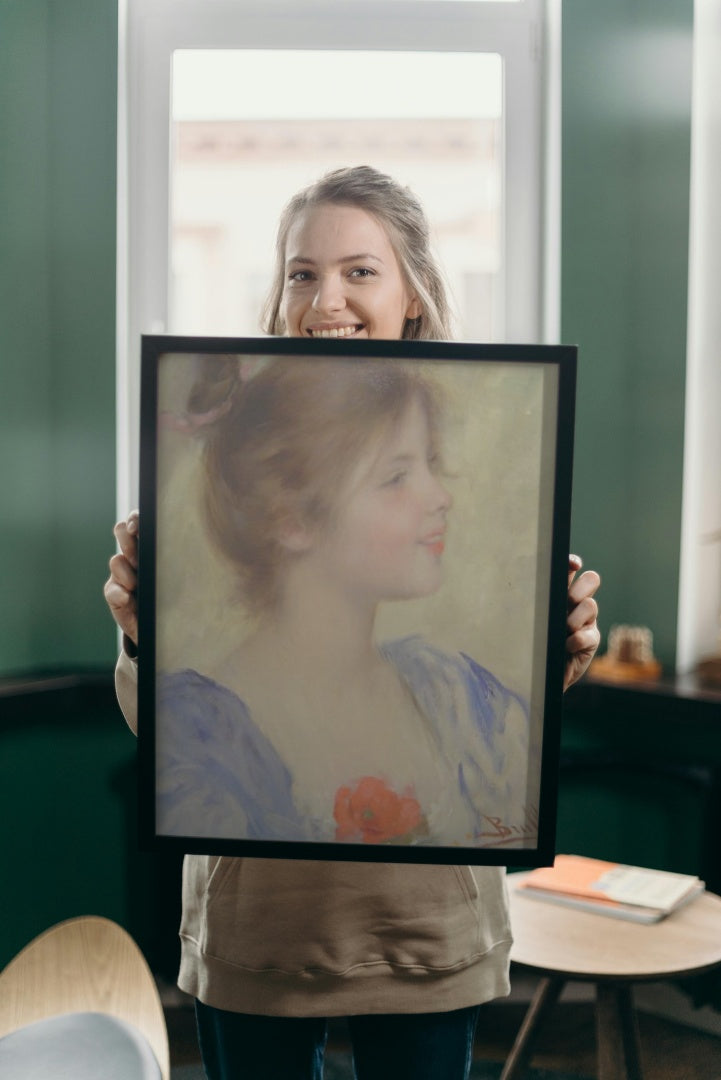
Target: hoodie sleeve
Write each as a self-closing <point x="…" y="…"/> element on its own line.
<point x="126" y="688"/>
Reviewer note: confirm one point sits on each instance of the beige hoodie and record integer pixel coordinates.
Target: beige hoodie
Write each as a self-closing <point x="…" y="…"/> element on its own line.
<point x="285" y="937"/>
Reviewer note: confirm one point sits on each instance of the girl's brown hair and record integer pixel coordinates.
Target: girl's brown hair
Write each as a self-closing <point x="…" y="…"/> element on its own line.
<point x="402" y="216"/>
<point x="284" y="442"/>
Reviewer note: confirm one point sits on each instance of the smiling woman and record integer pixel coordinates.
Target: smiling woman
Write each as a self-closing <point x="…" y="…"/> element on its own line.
<point x="413" y="739"/>
<point x="353" y="259"/>
<point x="453" y="116"/>
<point x="355" y="289"/>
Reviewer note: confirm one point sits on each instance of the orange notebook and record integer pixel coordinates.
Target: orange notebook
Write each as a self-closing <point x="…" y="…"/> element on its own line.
<point x="631" y="892"/>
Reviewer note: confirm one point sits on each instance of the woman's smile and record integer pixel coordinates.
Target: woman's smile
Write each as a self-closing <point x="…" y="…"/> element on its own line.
<point x="436" y="544"/>
<point x="324" y="331"/>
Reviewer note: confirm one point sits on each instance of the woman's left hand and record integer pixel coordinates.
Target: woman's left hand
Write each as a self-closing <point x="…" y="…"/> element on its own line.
<point x="582" y="634"/>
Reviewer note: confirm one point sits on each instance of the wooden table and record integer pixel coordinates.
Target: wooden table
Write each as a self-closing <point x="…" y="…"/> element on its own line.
<point x="563" y="944"/>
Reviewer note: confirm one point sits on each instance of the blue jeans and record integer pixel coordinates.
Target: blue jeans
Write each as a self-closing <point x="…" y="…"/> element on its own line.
<point x="414" y="1046"/>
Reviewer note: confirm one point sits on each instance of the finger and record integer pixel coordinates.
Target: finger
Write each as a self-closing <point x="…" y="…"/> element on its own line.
<point x="575" y="562"/>
<point x="123" y="572"/>
<point x="118" y="598"/>
<point x="123" y="608"/>
<point x="584" y="641"/>
<point x="583" y="614"/>
<point x="586" y="585"/>
<point x="126" y="534"/>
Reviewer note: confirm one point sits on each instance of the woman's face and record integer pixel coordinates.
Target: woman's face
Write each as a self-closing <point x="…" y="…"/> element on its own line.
<point x="342" y="277"/>
<point x="388" y="534"/>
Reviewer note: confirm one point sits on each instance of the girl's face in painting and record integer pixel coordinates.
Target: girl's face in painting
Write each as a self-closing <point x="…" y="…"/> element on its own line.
<point x="342" y="277"/>
<point x="387" y="538"/>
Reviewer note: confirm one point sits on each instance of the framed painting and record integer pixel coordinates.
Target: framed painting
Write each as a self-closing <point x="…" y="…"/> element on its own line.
<point x="352" y="597"/>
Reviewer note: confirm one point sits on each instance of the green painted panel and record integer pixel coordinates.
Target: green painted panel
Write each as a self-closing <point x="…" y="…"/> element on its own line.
<point x="631" y="818"/>
<point x="25" y="400"/>
<point x="58" y="80"/>
<point x="82" y="222"/>
<point x="626" y="161"/>
<point x="642" y="780"/>
<point x="65" y="785"/>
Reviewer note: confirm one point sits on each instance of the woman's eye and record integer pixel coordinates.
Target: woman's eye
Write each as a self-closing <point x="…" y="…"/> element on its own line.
<point x="362" y="272"/>
<point x="435" y="464"/>
<point x="299" y="276"/>
<point x="396" y="479"/>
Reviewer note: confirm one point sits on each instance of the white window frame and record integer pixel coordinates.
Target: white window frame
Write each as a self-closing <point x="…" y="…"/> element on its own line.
<point x="526" y="34"/>
<point x="699" y="597"/>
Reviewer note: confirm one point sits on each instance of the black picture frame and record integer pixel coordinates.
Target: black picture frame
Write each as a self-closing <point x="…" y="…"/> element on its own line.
<point x="490" y="637"/>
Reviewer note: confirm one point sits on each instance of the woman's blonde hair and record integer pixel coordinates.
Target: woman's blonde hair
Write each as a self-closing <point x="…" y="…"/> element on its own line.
<point x="402" y="216"/>
<point x="283" y="442"/>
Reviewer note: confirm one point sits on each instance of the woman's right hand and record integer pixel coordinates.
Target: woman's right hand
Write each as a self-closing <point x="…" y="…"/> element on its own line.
<point x="121" y="587"/>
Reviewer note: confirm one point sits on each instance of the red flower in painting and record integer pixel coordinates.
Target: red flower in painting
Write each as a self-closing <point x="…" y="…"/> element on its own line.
<point x="371" y="812"/>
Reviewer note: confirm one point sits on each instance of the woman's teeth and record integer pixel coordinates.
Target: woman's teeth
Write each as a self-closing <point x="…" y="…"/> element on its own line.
<point x="337" y="331"/>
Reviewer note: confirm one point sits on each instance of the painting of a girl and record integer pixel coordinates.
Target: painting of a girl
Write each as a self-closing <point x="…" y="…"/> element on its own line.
<point x="324" y="489"/>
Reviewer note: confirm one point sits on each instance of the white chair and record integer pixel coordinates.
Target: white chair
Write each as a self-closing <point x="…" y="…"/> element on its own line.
<point x="80" y="1002"/>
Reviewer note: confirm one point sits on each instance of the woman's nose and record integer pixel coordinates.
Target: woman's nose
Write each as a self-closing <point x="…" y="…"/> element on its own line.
<point x="329" y="295"/>
<point x="440" y="497"/>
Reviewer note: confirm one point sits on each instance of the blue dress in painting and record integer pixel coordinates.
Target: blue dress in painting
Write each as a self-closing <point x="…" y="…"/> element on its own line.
<point x="219" y="776"/>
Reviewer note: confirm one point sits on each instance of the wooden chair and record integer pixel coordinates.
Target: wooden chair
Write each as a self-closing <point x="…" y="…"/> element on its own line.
<point x="80" y="975"/>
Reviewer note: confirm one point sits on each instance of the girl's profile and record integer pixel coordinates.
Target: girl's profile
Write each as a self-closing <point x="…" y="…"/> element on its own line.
<point x="345" y="711"/>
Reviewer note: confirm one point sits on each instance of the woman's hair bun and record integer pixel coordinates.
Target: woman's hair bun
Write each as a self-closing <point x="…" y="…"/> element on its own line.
<point x="212" y="393"/>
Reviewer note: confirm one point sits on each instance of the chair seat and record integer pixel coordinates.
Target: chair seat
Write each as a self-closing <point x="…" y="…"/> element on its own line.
<point x="78" y="1046"/>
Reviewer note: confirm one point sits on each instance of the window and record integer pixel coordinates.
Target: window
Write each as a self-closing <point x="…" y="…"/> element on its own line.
<point x="227" y="107"/>
<point x="235" y="161"/>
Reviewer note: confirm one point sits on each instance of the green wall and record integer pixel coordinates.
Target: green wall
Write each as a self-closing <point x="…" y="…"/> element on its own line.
<point x="67" y="778"/>
<point x="67" y="787"/>
<point x="625" y="199"/>
<point x="626" y="137"/>
<point x="58" y="72"/>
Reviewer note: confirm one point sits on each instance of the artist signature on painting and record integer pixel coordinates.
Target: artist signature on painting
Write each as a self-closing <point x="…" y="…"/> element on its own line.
<point x="499" y="833"/>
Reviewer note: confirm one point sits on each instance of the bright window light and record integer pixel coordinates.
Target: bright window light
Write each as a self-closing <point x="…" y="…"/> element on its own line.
<point x="238" y="156"/>
<point x="220" y="84"/>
